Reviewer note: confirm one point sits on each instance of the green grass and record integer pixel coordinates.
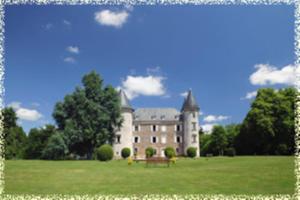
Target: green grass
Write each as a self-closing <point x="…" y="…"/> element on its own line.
<point x="218" y="175"/>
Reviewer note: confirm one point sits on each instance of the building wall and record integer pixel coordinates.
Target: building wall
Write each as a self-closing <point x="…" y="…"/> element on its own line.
<point x="145" y="133"/>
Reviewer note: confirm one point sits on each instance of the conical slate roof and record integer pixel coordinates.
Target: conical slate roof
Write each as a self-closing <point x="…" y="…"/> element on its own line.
<point x="124" y="100"/>
<point x="190" y="103"/>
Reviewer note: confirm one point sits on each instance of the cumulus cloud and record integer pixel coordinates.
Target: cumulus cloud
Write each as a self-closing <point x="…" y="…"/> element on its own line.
<point x="266" y="74"/>
<point x="207" y="128"/>
<point x="184" y="94"/>
<point x="25" y="113"/>
<point x="73" y="49"/>
<point x="250" y="95"/>
<point x="111" y="18"/>
<point x="135" y="86"/>
<point x="69" y="60"/>
<point x="215" y="118"/>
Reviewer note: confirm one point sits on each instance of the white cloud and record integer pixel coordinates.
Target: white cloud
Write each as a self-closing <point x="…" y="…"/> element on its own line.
<point x="250" y="95"/>
<point x="184" y="94"/>
<point x="143" y="85"/>
<point x="66" y="22"/>
<point x="266" y="74"/>
<point x="215" y="118"/>
<point x="207" y="128"/>
<point x="25" y="113"/>
<point x="69" y="60"/>
<point x="111" y="18"/>
<point x="153" y="70"/>
<point x="49" y="26"/>
<point x="73" y="49"/>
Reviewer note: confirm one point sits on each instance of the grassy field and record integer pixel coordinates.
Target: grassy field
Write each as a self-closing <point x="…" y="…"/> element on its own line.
<point x="218" y="175"/>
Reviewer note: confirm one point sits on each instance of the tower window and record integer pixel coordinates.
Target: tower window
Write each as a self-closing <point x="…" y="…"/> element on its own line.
<point x="194" y="138"/>
<point x="162" y="117"/>
<point x="136" y="128"/>
<point x="178" y="127"/>
<point x="118" y="139"/>
<point x="154" y="139"/>
<point x="194" y="115"/>
<point x="194" y="124"/>
<point x="178" y="139"/>
<point x="136" y="139"/>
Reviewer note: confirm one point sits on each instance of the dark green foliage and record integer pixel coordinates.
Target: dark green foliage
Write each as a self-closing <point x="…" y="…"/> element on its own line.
<point x="14" y="136"/>
<point x="191" y="152"/>
<point x="125" y="152"/>
<point x="56" y="149"/>
<point x="105" y="153"/>
<point x="149" y="152"/>
<point x="218" y="140"/>
<point x="282" y="149"/>
<point x="37" y="141"/>
<point x="87" y="117"/>
<point x="169" y="152"/>
<point x="269" y="123"/>
<point x="230" y="152"/>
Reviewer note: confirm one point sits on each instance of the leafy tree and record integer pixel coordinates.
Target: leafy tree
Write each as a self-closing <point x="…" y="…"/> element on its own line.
<point x="14" y="136"/>
<point x="232" y="130"/>
<point x="89" y="116"/>
<point x="205" y="144"/>
<point x="56" y="149"/>
<point x="218" y="139"/>
<point x="37" y="141"/>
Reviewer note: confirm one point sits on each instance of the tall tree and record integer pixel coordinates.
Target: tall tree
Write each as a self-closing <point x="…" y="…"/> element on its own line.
<point x="218" y="139"/>
<point x="89" y="116"/>
<point x="14" y="136"/>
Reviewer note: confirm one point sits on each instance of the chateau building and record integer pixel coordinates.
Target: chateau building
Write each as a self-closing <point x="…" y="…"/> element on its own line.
<point x="158" y="128"/>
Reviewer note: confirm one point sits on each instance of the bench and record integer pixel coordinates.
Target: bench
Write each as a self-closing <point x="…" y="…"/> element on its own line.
<point x="157" y="160"/>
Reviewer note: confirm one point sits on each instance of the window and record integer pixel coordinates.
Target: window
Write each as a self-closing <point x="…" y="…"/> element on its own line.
<point x="136" y="139"/>
<point x="153" y="139"/>
<point x="162" y="117"/>
<point x="178" y="139"/>
<point x="194" y="124"/>
<point x="154" y="128"/>
<point x="136" y="128"/>
<point x="194" y="138"/>
<point x="163" y="128"/>
<point x="135" y="150"/>
<point x="153" y="117"/>
<point x="178" y="127"/>
<point x="177" y="150"/>
<point x="136" y="117"/>
<point x="163" y="139"/>
<point x="118" y="139"/>
<point x="194" y="115"/>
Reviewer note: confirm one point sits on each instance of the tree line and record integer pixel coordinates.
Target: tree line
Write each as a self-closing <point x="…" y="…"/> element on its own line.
<point x="268" y="128"/>
<point x="89" y="117"/>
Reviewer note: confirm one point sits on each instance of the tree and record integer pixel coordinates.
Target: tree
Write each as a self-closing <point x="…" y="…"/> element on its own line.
<point x="37" y="141"/>
<point x="14" y="136"/>
<point x="89" y="116"/>
<point x="56" y="149"/>
<point x="218" y="139"/>
<point x="232" y="130"/>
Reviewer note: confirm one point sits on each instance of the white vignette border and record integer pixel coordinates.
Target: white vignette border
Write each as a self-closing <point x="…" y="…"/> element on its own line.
<point x="295" y="3"/>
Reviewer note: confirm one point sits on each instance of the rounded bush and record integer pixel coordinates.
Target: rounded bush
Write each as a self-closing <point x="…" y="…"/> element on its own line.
<point x="191" y="152"/>
<point x="105" y="153"/>
<point x="169" y="152"/>
<point x="230" y="152"/>
<point x="125" y="153"/>
<point x="149" y="152"/>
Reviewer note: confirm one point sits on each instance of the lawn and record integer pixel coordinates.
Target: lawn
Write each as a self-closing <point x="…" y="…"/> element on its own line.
<point x="218" y="175"/>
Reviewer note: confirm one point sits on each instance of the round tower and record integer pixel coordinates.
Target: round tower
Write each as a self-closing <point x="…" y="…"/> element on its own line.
<point x="190" y="113"/>
<point x="124" y="134"/>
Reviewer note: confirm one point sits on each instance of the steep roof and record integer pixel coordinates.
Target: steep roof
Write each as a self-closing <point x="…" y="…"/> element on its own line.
<point x="124" y="100"/>
<point x="147" y="114"/>
<point x="190" y="103"/>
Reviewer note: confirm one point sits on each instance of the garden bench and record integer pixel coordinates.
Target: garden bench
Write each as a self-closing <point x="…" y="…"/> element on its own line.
<point x="157" y="160"/>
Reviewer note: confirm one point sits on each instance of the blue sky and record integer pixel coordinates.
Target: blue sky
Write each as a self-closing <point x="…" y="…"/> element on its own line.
<point x="155" y="53"/>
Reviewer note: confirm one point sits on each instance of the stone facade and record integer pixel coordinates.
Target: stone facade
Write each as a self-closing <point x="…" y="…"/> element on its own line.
<point x="158" y="128"/>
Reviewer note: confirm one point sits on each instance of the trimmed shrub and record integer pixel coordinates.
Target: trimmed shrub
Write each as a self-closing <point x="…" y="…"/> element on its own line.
<point x="191" y="152"/>
<point x="169" y="152"/>
<point x="125" y="153"/>
<point x="149" y="152"/>
<point x="230" y="152"/>
<point x="105" y="152"/>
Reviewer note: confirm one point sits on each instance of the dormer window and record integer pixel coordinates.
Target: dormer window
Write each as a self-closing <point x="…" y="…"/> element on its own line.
<point x="136" y="128"/>
<point x="162" y="117"/>
<point x="153" y="117"/>
<point x="136" y="117"/>
<point x="176" y="117"/>
<point x="194" y="115"/>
